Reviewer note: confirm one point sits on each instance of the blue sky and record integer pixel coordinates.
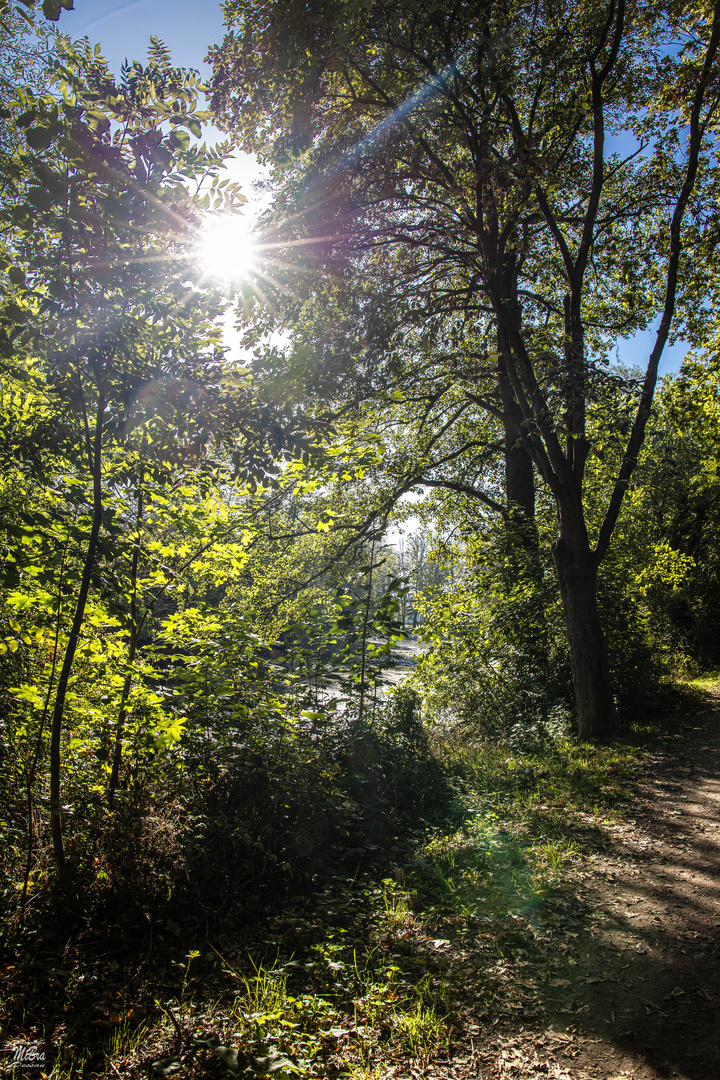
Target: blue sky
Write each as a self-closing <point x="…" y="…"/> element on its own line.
<point x="188" y="27"/>
<point x="123" y="27"/>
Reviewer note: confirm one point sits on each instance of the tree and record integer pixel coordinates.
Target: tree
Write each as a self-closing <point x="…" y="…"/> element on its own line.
<point x="107" y="317"/>
<point x="461" y="157"/>
<point x="675" y="521"/>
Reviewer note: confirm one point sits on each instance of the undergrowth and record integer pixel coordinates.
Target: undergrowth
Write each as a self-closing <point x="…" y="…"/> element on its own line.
<point x="344" y="972"/>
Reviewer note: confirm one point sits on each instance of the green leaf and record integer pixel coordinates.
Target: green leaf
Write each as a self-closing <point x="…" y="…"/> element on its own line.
<point x="179" y="140"/>
<point x="39" y="138"/>
<point x="26" y="118"/>
<point x="97" y="121"/>
<point x="52" y="8"/>
<point x="213" y="1041"/>
<point x="40" y="197"/>
<point x="273" y="1063"/>
<point x="28" y="692"/>
<point x="21" y="216"/>
<point x="229" y="1057"/>
<point x="15" y="313"/>
<point x="11" y="577"/>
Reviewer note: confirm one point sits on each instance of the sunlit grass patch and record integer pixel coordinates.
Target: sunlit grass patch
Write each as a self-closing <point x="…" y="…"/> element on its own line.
<point x="70" y="1065"/>
<point x="364" y="1070"/>
<point x="270" y="1023"/>
<point x="527" y="821"/>
<point x="358" y="1007"/>
<point x="706" y="684"/>
<point x="421" y="1032"/>
<point x="551" y="859"/>
<point x="126" y="1043"/>
<point x="480" y="870"/>
<point x="397" y="907"/>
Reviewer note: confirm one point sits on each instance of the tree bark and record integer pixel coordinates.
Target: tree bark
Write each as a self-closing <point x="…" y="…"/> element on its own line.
<point x="519" y="472"/>
<point x="576" y="567"/>
<point x="519" y="479"/>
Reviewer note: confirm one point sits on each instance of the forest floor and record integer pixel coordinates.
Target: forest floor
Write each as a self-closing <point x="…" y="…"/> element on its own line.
<point x="628" y="981"/>
<point x="606" y="967"/>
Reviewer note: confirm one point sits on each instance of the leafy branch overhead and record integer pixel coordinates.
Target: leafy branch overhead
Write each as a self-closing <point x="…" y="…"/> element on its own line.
<point x="488" y="201"/>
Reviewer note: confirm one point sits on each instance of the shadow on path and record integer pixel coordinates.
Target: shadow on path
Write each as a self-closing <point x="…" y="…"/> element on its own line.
<point x="643" y="932"/>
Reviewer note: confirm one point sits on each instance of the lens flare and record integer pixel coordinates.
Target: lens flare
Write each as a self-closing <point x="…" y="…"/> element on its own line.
<point x="226" y="249"/>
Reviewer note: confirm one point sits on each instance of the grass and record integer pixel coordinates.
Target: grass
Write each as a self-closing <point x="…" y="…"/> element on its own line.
<point x="421" y="1032"/>
<point x="705" y="683"/>
<point x="126" y="1043"/>
<point x="526" y="822"/>
<point x="357" y="1009"/>
<point x="369" y="972"/>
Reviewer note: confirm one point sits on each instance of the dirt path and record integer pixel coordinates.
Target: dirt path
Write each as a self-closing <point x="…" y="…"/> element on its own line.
<point x="625" y="979"/>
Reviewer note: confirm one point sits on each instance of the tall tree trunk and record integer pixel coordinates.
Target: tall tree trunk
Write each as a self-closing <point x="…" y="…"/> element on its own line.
<point x="576" y="567"/>
<point x="521" y="529"/>
<point x="519" y="478"/>
<point x="63" y="871"/>
<point x="519" y="472"/>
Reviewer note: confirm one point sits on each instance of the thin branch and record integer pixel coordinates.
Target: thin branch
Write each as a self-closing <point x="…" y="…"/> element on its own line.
<point x="637" y="435"/>
<point x="464" y="489"/>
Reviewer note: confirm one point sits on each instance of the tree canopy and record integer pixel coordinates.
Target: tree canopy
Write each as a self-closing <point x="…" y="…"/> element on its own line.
<point x="462" y="162"/>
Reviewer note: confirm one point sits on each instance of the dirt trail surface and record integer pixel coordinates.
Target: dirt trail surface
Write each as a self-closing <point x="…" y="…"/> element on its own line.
<point x="622" y="978"/>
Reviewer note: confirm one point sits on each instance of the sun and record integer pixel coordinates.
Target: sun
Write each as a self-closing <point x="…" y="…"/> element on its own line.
<point x="226" y="249"/>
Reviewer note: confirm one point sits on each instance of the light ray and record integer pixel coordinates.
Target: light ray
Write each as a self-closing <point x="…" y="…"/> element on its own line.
<point x="434" y="85"/>
<point x="264" y="298"/>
